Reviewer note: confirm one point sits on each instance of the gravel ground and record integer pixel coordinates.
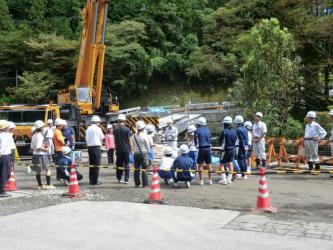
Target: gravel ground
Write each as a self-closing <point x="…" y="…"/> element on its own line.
<point x="306" y="198"/>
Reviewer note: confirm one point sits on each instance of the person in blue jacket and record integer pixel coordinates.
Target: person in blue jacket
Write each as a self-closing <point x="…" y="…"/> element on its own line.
<point x="243" y="139"/>
<point x="64" y="163"/>
<point x="228" y="140"/>
<point x="184" y="163"/>
<point x="202" y="138"/>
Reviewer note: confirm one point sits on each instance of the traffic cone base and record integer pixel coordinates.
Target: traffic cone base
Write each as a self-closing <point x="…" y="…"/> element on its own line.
<point x="11" y="184"/>
<point x="155" y="192"/>
<point x="74" y="190"/>
<point x="263" y="200"/>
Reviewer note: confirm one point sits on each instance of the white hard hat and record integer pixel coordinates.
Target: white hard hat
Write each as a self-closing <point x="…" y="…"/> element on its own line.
<point x="258" y="114"/>
<point x="140" y="125"/>
<point x="39" y="124"/>
<point x="95" y="118"/>
<point x="202" y="121"/>
<point x="168" y="150"/>
<point x="331" y="112"/>
<point x="311" y="114"/>
<point x="11" y="125"/>
<point x="227" y="120"/>
<point x="121" y="117"/>
<point x="49" y="121"/>
<point x="183" y="149"/>
<point x="239" y="119"/>
<point x="191" y="128"/>
<point x="150" y="128"/>
<point x="109" y="126"/>
<point x="248" y="125"/>
<point x="58" y="122"/>
<point x="64" y="122"/>
<point x="169" y="121"/>
<point x="65" y="150"/>
<point x="3" y="124"/>
<point x="33" y="129"/>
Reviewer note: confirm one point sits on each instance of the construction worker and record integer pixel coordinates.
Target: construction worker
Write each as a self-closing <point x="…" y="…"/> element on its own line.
<point x="69" y="136"/>
<point x="193" y="151"/>
<point x="124" y="147"/>
<point x="165" y="165"/>
<point x="248" y="126"/>
<point x="228" y="140"/>
<point x="59" y="143"/>
<point x="171" y="135"/>
<point x="94" y="139"/>
<point x="49" y="134"/>
<point x="259" y="131"/>
<point x="11" y="127"/>
<point x="141" y="146"/>
<point x="5" y="157"/>
<point x="313" y="133"/>
<point x="182" y="166"/>
<point x="40" y="159"/>
<point x="242" y="135"/>
<point x="109" y="144"/>
<point x="202" y="139"/>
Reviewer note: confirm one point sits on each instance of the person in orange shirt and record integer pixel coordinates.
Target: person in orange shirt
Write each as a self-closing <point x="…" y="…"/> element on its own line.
<point x="59" y="142"/>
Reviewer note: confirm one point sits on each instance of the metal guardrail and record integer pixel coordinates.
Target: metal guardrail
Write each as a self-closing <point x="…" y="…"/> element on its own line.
<point x="130" y="110"/>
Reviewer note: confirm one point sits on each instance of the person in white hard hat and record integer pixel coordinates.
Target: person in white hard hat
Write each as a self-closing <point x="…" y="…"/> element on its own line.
<point x="49" y="134"/>
<point x="150" y="129"/>
<point x="141" y="145"/>
<point x="171" y="134"/>
<point x="69" y="135"/>
<point x="94" y="139"/>
<point x="242" y="135"/>
<point x="248" y="126"/>
<point x="40" y="160"/>
<point x="202" y="138"/>
<point x="109" y="144"/>
<point x="124" y="146"/>
<point x="259" y="132"/>
<point x="313" y="134"/>
<point x="165" y="165"/>
<point x="193" y="151"/>
<point x="5" y="157"/>
<point x="11" y="127"/>
<point x="227" y="141"/>
<point x="58" y="142"/>
<point x="182" y="168"/>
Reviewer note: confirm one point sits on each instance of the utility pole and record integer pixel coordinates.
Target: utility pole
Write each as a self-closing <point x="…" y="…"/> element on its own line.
<point x="188" y="111"/>
<point x="16" y="79"/>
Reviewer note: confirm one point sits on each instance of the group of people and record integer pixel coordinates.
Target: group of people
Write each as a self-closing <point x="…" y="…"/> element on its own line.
<point x="55" y="141"/>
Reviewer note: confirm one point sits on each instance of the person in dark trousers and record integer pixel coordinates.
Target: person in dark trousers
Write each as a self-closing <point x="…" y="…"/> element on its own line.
<point x="5" y="157"/>
<point x="202" y="139"/>
<point x="109" y="144"/>
<point x="94" y="139"/>
<point x="185" y="164"/>
<point x="141" y="155"/>
<point x="68" y="135"/>
<point x="242" y="135"/>
<point x="124" y="147"/>
<point x="228" y="140"/>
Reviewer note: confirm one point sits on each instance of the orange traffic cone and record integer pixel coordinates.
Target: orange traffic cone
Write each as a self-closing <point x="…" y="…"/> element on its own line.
<point x="11" y="184"/>
<point x="263" y="201"/>
<point x="74" y="190"/>
<point x="155" y="192"/>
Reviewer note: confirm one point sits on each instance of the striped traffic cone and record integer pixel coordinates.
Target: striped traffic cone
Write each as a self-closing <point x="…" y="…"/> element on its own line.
<point x="155" y="192"/>
<point x="74" y="189"/>
<point x="11" y="184"/>
<point x="263" y="200"/>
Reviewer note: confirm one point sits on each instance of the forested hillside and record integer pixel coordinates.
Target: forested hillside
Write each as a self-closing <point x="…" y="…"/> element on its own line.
<point x="197" y="46"/>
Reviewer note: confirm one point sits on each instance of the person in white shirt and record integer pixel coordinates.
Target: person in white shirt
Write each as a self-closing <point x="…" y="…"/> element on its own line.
<point x="259" y="131"/>
<point x="11" y="127"/>
<point x="94" y="139"/>
<point x="49" y="134"/>
<point x="166" y="164"/>
<point x="40" y="160"/>
<point x="5" y="157"/>
<point x="248" y="126"/>
<point x="313" y="133"/>
<point x="171" y="135"/>
<point x="330" y="116"/>
<point x="141" y="144"/>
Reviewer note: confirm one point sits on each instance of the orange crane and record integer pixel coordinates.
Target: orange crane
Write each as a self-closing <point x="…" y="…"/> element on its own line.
<point x="86" y="92"/>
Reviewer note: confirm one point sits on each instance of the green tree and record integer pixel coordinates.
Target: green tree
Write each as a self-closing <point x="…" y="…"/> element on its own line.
<point x="34" y="88"/>
<point x="6" y="22"/>
<point x="270" y="74"/>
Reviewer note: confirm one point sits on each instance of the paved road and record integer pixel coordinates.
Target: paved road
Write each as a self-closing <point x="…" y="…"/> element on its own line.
<point x="121" y="225"/>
